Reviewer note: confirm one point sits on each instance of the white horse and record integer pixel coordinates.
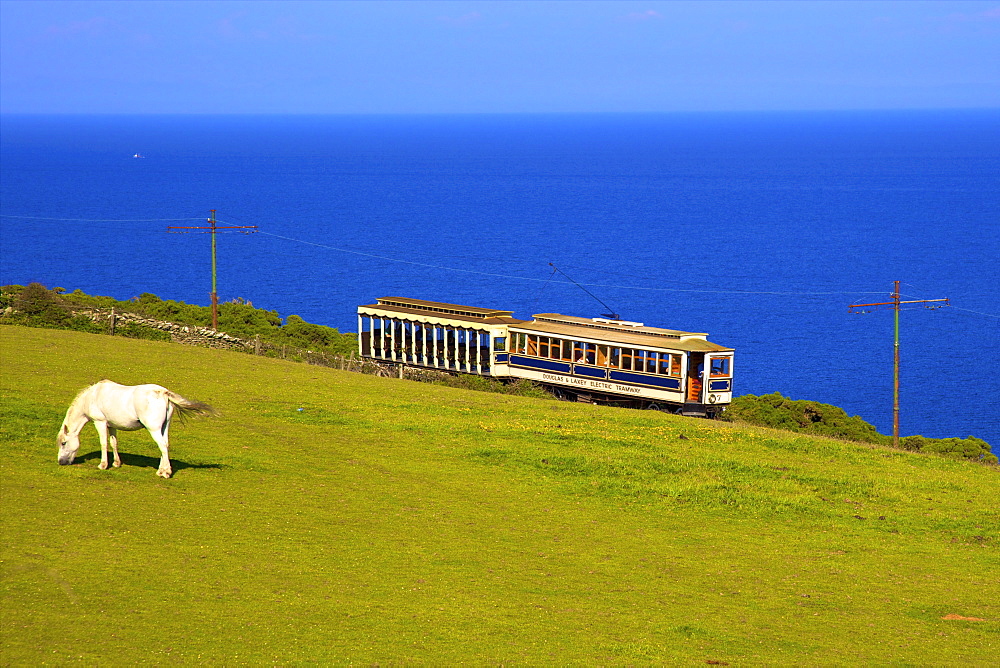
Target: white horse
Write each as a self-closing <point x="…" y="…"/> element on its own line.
<point x="112" y="407"/>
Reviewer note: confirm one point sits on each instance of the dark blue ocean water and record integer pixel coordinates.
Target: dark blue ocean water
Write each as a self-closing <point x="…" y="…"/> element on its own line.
<point x="759" y="229"/>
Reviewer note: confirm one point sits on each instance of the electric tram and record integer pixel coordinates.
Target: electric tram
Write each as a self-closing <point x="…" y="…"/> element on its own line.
<point x="595" y="360"/>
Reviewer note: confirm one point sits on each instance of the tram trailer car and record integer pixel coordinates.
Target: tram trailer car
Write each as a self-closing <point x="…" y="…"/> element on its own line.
<point x="596" y="360"/>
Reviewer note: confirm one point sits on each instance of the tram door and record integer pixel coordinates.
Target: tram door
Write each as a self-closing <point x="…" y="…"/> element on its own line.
<point x="696" y="370"/>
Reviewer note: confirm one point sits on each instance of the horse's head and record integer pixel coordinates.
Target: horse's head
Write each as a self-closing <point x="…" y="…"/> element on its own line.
<point x="68" y="445"/>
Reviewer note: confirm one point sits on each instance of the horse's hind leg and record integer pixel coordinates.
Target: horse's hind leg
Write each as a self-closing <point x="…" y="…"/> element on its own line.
<point x="113" y="437"/>
<point x="162" y="441"/>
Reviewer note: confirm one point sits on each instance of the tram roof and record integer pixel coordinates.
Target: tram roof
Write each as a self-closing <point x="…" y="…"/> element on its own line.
<point x="621" y="332"/>
<point x="445" y="310"/>
<point x="614" y="331"/>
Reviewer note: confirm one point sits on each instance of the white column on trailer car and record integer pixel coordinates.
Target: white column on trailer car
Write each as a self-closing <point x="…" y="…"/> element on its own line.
<point x="446" y="342"/>
<point x="468" y="350"/>
<point x="423" y="343"/>
<point x="361" y="337"/>
<point x="392" y="338"/>
<point x="434" y="344"/>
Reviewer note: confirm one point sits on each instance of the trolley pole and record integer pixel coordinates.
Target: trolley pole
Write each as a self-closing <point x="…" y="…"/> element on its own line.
<point x="213" y="228"/>
<point x="894" y="305"/>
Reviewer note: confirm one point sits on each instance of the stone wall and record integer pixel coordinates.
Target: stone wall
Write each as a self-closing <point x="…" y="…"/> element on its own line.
<point x="187" y="334"/>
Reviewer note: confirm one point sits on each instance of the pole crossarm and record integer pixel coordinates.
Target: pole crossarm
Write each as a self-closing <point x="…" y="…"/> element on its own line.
<point x="211" y="230"/>
<point x="902" y="301"/>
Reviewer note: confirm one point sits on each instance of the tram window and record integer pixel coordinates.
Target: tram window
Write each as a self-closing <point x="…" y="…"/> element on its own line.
<point x="615" y="358"/>
<point x="532" y="344"/>
<point x="675" y="365"/>
<point x="579" y="352"/>
<point x="543" y="346"/>
<point x="720" y="366"/>
<point x="651" y="362"/>
<point x="567" y="350"/>
<point x="664" y="367"/>
<point x="639" y="360"/>
<point x="626" y="359"/>
<point x="500" y="344"/>
<point x="602" y="355"/>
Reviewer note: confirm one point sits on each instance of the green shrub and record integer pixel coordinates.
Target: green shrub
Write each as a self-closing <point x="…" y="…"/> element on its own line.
<point x="958" y="448"/>
<point x="299" y="333"/>
<point x="812" y="417"/>
<point x="135" y="330"/>
<point x="36" y="306"/>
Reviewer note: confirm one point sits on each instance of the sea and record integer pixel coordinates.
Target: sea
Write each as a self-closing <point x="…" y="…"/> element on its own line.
<point x="760" y="229"/>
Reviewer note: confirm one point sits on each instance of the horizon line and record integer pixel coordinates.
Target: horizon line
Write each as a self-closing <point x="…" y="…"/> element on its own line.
<point x="499" y="113"/>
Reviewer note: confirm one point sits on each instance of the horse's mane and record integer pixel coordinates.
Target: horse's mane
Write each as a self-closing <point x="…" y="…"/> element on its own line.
<point x="79" y="395"/>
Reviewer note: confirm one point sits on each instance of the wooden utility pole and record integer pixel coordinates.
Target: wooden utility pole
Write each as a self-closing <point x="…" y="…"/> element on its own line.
<point x="214" y="229"/>
<point x="894" y="305"/>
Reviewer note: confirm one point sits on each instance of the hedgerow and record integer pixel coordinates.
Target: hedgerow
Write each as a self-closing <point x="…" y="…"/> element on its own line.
<point x="36" y="306"/>
<point x="812" y="417"/>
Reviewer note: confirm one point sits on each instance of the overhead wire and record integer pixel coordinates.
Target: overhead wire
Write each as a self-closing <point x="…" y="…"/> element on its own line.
<point x="101" y="220"/>
<point x="546" y="280"/>
<point x="492" y="274"/>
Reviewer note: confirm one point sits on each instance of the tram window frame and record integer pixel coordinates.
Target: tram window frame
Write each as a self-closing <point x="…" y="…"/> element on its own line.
<point x="652" y="361"/>
<point x="639" y="360"/>
<point x="725" y="367"/>
<point x="499" y="344"/>
<point x="543" y="346"/>
<point x="663" y="366"/>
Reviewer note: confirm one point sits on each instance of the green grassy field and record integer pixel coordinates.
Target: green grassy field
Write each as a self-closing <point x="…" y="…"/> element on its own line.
<point x="329" y="517"/>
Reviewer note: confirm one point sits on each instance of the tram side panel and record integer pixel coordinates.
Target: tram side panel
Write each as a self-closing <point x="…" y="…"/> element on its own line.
<point x="601" y="368"/>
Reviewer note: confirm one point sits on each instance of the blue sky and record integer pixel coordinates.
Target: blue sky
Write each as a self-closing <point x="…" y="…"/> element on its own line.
<point x="495" y="57"/>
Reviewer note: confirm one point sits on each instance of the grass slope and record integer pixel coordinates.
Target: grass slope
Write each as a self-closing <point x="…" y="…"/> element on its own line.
<point x="338" y="518"/>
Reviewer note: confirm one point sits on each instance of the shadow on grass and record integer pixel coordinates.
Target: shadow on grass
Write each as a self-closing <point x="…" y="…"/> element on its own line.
<point x="146" y="462"/>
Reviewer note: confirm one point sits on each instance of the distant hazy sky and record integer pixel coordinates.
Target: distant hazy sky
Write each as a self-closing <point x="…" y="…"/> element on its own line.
<point x="508" y="56"/>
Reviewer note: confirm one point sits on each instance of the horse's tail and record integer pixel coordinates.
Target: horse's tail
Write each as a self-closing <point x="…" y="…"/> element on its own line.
<point x="186" y="407"/>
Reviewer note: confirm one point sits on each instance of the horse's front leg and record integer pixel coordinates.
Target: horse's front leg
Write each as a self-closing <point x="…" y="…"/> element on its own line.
<point x="113" y="437"/>
<point x="102" y="432"/>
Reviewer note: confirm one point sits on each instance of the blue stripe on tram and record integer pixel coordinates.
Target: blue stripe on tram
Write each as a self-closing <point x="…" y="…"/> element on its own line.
<point x="590" y="372"/>
<point x="532" y="363"/>
<point x="641" y="379"/>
